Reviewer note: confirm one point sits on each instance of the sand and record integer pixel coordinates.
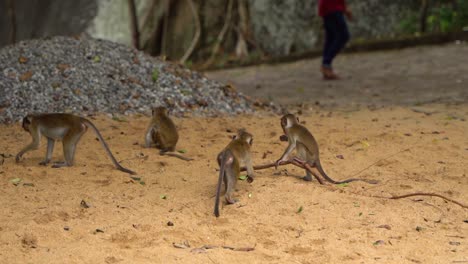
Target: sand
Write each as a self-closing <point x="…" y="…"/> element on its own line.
<point x="166" y="216"/>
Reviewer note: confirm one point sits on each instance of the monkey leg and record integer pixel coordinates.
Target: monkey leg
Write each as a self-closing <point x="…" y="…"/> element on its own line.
<point x="230" y="181"/>
<point x="309" y="169"/>
<point x="50" y="149"/>
<point x="308" y="176"/>
<point x="69" y="147"/>
<point x="158" y="141"/>
<point x="303" y="157"/>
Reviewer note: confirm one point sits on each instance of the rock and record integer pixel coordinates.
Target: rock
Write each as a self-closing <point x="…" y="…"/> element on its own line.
<point x="63" y="76"/>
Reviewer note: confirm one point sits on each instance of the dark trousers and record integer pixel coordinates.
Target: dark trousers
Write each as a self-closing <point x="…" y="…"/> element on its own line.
<point x="336" y="36"/>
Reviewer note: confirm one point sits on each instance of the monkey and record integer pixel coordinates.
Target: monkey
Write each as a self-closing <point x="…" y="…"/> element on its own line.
<point x="61" y="126"/>
<point x="162" y="133"/>
<point x="238" y="150"/>
<point x="306" y="146"/>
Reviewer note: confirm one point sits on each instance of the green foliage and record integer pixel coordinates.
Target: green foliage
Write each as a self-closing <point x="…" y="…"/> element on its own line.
<point x="155" y="75"/>
<point x="442" y="16"/>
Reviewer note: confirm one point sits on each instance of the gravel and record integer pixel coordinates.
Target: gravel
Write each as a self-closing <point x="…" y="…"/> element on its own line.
<point x="86" y="76"/>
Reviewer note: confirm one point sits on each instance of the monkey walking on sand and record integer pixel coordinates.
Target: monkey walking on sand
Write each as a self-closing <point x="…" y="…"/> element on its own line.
<point x="306" y="146"/>
<point x="60" y="126"/>
<point x="236" y="152"/>
<point x="162" y="133"/>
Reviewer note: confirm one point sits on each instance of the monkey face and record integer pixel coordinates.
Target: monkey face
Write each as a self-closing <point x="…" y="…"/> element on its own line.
<point x="288" y="121"/>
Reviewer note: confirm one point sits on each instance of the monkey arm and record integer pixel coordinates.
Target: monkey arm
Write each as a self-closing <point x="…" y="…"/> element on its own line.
<point x="36" y="135"/>
<point x="250" y="169"/>
<point x="289" y="149"/>
<point x="148" y="136"/>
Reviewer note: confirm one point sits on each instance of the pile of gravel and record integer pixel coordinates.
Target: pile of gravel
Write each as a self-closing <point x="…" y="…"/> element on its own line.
<point x="87" y="76"/>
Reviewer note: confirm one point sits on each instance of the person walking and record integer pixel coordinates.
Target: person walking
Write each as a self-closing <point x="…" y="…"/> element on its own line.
<point x="333" y="13"/>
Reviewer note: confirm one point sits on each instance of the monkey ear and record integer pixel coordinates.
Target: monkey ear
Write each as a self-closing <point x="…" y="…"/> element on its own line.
<point x="26" y="122"/>
<point x="250" y="141"/>
<point x="234" y="137"/>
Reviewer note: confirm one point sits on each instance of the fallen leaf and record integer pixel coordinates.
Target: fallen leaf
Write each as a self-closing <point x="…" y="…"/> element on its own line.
<point x="62" y="66"/>
<point x="118" y="119"/>
<point x="182" y="151"/>
<point x="84" y="204"/>
<point x="16" y="181"/>
<point x="379" y="242"/>
<point x="243" y="177"/>
<point x="26" y="76"/>
<point x="22" y="59"/>
<point x="365" y="143"/>
<point x="340" y="156"/>
<point x="183" y="245"/>
<point x="385" y="226"/>
<point x="299" y="210"/>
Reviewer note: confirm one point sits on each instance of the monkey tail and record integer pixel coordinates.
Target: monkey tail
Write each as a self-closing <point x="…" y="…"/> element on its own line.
<point x="104" y="144"/>
<point x="320" y="169"/>
<point x="222" y="165"/>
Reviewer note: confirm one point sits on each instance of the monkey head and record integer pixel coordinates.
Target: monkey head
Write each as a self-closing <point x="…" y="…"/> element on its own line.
<point x="243" y="135"/>
<point x="160" y="110"/>
<point x="288" y="121"/>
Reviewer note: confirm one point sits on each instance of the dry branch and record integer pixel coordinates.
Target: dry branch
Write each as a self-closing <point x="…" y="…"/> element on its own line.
<point x="304" y="166"/>
<point x="428" y="194"/>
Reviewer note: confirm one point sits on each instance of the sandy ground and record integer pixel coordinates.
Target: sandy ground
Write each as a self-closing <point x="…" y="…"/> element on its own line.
<point x="128" y="220"/>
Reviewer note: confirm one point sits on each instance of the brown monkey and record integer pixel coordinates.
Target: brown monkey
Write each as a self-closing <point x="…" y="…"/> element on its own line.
<point x="59" y="126"/>
<point x="237" y="151"/>
<point x="301" y="139"/>
<point x="162" y="133"/>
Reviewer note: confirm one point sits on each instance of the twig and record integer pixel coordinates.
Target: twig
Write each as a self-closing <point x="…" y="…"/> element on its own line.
<point x="428" y="194"/>
<point x="134" y="24"/>
<point x="197" y="33"/>
<point x="293" y="162"/>
<point x="373" y="164"/>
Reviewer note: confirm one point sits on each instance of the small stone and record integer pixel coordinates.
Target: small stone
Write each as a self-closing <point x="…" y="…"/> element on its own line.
<point x="170" y="223"/>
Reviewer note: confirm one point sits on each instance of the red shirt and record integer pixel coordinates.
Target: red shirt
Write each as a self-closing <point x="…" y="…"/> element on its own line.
<point x="326" y="7"/>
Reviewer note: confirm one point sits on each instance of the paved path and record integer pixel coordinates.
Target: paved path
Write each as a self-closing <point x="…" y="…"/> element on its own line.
<point x="404" y="77"/>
